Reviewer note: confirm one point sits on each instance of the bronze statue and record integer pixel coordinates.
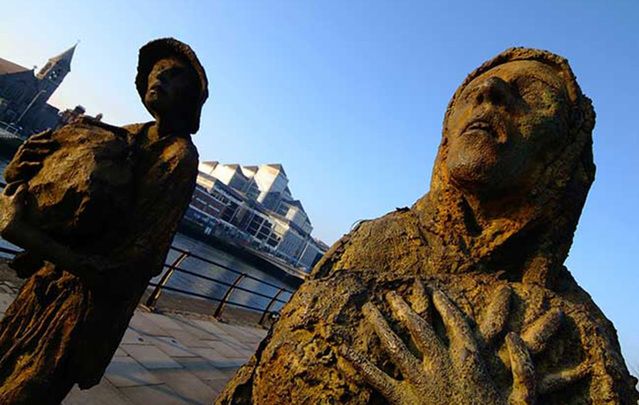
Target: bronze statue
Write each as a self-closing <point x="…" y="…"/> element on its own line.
<point x="95" y="207"/>
<point x="462" y="298"/>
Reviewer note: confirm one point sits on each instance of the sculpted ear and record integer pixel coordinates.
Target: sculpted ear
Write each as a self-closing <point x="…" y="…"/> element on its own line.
<point x="576" y="117"/>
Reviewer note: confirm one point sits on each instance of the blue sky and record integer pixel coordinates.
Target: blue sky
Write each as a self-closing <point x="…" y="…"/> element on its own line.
<point x="349" y="97"/>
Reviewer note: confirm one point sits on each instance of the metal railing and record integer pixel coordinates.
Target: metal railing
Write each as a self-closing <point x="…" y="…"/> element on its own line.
<point x="230" y="287"/>
<point x="177" y="267"/>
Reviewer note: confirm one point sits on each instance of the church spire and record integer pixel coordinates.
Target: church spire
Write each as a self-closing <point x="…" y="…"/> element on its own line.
<point x="66" y="56"/>
<point x="54" y="71"/>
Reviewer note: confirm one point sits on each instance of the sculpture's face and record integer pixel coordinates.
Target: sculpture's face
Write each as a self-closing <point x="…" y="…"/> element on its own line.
<point x="504" y="125"/>
<point x="170" y="87"/>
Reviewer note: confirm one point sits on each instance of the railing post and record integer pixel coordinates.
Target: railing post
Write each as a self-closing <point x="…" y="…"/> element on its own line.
<point x="227" y="294"/>
<point x="270" y="304"/>
<point x="155" y="295"/>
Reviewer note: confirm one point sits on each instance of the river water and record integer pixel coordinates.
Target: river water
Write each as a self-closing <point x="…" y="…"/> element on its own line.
<point x="209" y="288"/>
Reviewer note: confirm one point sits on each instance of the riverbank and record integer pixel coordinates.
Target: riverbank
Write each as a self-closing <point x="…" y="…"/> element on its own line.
<point x="258" y="259"/>
<point x="8" y="274"/>
<point x="169" y="303"/>
<point x="166" y="359"/>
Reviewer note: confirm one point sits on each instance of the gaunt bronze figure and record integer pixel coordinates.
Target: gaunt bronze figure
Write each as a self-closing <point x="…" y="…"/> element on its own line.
<point x="95" y="207"/>
<point x="462" y="298"/>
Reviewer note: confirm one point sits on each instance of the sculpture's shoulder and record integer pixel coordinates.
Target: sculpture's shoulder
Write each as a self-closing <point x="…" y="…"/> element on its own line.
<point x="394" y="242"/>
<point x="177" y="150"/>
<point x="297" y="361"/>
<point x="185" y="148"/>
<point x="137" y="128"/>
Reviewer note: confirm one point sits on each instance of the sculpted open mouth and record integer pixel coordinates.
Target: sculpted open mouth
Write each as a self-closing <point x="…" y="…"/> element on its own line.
<point x="480" y="126"/>
<point x="492" y="127"/>
<point x="156" y="89"/>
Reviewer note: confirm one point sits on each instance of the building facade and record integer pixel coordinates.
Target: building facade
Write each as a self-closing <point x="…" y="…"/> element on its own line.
<point x="24" y="94"/>
<point x="254" y="204"/>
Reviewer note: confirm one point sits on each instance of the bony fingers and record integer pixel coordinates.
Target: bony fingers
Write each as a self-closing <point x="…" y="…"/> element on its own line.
<point x="392" y="344"/>
<point x="18" y="198"/>
<point x="456" y="325"/>
<point x="496" y="315"/>
<point x="20" y="192"/>
<point x="422" y="332"/>
<point x="539" y="333"/>
<point x="37" y="151"/>
<point x="40" y="144"/>
<point x="386" y="385"/>
<point x="557" y="381"/>
<point x="29" y="165"/>
<point x="420" y="301"/>
<point x="42" y="135"/>
<point x="523" y="391"/>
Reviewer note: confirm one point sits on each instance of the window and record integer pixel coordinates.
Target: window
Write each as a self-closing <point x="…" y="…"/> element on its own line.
<point x="283" y="208"/>
<point x="255" y="225"/>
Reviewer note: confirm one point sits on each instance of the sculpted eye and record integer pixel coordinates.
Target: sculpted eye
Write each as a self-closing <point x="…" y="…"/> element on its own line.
<point x="469" y="93"/>
<point x="521" y="87"/>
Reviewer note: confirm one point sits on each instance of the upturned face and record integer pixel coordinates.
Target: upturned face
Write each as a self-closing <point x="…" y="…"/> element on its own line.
<point x="504" y="126"/>
<point x="170" y="87"/>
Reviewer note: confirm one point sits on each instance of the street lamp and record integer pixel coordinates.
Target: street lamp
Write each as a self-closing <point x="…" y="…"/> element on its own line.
<point x="33" y="100"/>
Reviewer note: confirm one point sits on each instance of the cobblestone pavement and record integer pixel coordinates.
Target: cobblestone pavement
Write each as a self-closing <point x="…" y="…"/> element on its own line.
<point x="166" y="359"/>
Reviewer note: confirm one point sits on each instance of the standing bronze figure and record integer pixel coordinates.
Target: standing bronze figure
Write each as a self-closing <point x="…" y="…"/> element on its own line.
<point x="464" y="297"/>
<point x="95" y="207"/>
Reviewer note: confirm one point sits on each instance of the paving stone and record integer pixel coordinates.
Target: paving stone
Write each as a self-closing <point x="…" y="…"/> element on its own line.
<point x="200" y="332"/>
<point x="120" y="352"/>
<point x="241" y="336"/>
<point x="9" y="287"/>
<point x="188" y="339"/>
<point x="187" y="385"/>
<point x="150" y="356"/>
<point x="227" y="351"/>
<point x="126" y="372"/>
<point x="212" y="327"/>
<point x="210" y="354"/>
<point x="167" y="359"/>
<point x="132" y="337"/>
<point x="173" y="347"/>
<point x="260" y="333"/>
<point x="5" y="300"/>
<point x="218" y="384"/>
<point x="251" y="334"/>
<point x="240" y="346"/>
<point x="163" y="321"/>
<point x="160" y="394"/>
<point x="146" y="326"/>
<point x="102" y="394"/>
<point x="226" y="365"/>
<point x="202" y="368"/>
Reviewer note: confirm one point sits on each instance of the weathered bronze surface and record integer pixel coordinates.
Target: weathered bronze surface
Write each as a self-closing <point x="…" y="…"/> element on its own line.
<point x="462" y="298"/>
<point x="95" y="207"/>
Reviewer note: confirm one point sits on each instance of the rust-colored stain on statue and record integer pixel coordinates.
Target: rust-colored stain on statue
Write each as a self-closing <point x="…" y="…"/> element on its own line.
<point x="464" y="297"/>
<point x="95" y="207"/>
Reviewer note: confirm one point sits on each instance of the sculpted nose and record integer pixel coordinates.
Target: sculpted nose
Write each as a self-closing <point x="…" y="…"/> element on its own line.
<point x="494" y="91"/>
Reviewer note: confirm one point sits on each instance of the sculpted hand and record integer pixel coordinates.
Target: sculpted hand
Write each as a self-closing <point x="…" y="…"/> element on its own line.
<point x="455" y="372"/>
<point x="28" y="159"/>
<point x="11" y="209"/>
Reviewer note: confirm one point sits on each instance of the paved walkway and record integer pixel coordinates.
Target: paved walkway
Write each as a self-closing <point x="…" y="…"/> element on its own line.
<point x="167" y="359"/>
